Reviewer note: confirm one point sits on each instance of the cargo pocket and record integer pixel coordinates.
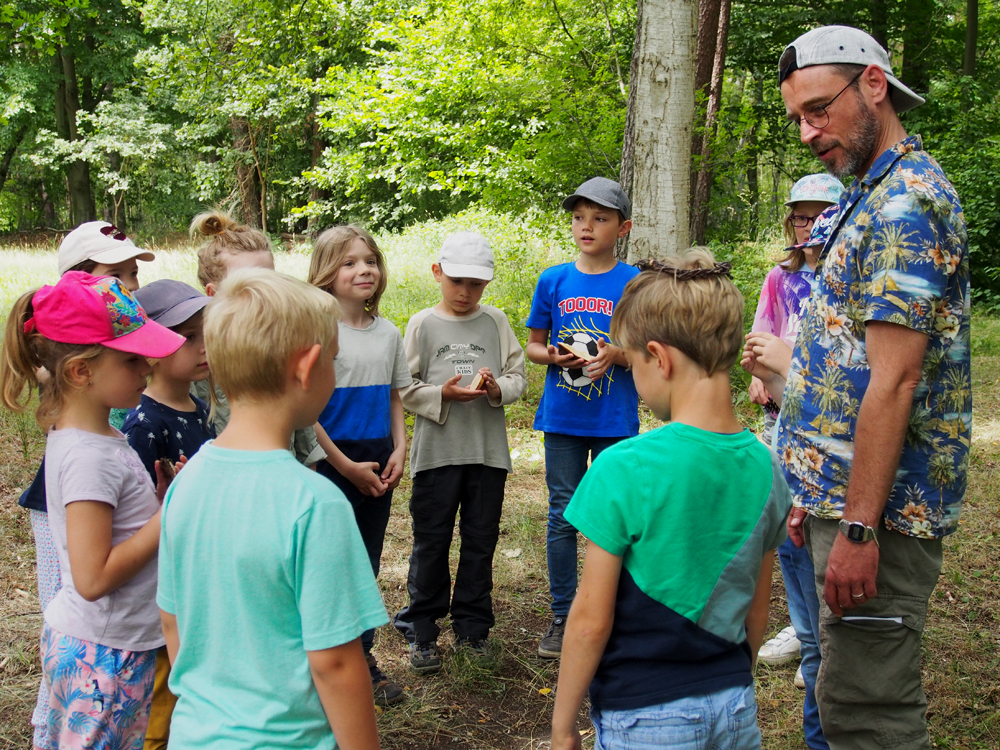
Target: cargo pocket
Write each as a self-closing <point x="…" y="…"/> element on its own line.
<point x="870" y="675"/>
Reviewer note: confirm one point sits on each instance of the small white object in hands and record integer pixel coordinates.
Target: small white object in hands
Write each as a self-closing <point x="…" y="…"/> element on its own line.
<point x="477" y="382"/>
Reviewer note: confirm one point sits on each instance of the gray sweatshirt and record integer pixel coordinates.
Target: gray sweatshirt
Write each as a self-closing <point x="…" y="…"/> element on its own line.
<point x="438" y="347"/>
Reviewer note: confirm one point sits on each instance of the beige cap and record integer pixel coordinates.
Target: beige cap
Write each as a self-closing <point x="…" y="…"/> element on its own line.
<point x="100" y="242"/>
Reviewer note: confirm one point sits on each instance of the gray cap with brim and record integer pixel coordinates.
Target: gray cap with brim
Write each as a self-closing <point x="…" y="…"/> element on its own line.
<point x="466" y="255"/>
<point x="170" y="302"/>
<point x="834" y="45"/>
<point x="603" y="192"/>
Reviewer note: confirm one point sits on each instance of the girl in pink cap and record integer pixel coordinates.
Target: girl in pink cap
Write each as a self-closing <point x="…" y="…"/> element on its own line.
<point x="102" y="629"/>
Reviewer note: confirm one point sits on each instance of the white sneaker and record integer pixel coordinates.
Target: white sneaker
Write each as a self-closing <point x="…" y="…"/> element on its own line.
<point x="799" y="680"/>
<point x="782" y="648"/>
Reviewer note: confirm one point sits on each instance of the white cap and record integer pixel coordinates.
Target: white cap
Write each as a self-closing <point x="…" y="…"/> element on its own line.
<point x="832" y="45"/>
<point x="100" y="242"/>
<point x="466" y="255"/>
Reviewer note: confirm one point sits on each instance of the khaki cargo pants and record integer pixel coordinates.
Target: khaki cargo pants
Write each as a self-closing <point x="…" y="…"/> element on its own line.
<point x="868" y="689"/>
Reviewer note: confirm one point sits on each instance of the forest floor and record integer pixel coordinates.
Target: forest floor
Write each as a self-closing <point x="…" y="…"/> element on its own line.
<point x="505" y="701"/>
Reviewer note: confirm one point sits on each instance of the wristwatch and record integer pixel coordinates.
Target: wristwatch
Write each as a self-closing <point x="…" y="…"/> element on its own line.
<point x="857" y="532"/>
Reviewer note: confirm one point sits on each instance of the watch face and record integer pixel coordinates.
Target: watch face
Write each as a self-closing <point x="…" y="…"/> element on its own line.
<point x="856" y="532"/>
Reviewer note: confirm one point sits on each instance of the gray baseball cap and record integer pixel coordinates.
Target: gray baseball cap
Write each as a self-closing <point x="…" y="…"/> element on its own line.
<point x="170" y="302"/>
<point x="603" y="192"/>
<point x="466" y="255"/>
<point x="831" y="45"/>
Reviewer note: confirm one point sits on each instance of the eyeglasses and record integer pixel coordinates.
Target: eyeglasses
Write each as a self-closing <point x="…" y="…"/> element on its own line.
<point x="799" y="221"/>
<point x="113" y="232"/>
<point x="818" y="117"/>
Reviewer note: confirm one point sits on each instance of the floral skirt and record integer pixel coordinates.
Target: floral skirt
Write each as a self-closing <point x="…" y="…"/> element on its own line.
<point x="99" y="697"/>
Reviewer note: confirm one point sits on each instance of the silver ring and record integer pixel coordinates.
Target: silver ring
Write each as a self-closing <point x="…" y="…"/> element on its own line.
<point x="857" y="596"/>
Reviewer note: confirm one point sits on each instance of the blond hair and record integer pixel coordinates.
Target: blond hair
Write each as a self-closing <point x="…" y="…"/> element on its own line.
<point x="226" y="237"/>
<point x="328" y="257"/>
<point x="699" y="314"/>
<point x="256" y="323"/>
<point x="24" y="353"/>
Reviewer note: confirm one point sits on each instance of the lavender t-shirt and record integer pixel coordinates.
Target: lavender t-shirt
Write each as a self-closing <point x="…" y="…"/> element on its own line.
<point x="85" y="466"/>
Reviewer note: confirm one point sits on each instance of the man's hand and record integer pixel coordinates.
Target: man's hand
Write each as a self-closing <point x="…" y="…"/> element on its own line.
<point x="758" y="393"/>
<point x="607" y="355"/>
<point x="364" y="475"/>
<point x="451" y="391"/>
<point x="850" y="574"/>
<point x="565" y="359"/>
<point x="796" y="518"/>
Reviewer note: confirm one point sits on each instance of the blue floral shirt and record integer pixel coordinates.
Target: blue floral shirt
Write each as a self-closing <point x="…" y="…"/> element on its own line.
<point x="899" y="254"/>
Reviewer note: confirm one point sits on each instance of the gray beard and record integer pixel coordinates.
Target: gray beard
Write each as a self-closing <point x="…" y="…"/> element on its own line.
<point x="860" y="146"/>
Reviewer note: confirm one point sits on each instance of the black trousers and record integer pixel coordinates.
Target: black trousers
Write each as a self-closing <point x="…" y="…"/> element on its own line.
<point x="476" y="491"/>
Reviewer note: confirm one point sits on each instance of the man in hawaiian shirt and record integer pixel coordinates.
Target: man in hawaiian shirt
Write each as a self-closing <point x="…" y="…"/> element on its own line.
<point x="876" y="416"/>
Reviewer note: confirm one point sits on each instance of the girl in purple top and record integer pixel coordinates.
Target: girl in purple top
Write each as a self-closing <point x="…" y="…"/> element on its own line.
<point x="787" y="286"/>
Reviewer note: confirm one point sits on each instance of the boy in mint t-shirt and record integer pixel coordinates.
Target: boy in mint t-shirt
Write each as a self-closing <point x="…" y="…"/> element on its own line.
<point x="264" y="584"/>
<point x="682" y="523"/>
<point x="589" y="401"/>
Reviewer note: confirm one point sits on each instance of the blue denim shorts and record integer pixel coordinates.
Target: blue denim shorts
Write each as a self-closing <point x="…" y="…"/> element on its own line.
<point x="726" y="720"/>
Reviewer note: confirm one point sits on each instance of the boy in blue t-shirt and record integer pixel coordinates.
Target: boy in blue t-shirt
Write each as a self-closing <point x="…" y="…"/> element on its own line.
<point x="589" y="401"/>
<point x="264" y="584"/>
<point x="682" y="523"/>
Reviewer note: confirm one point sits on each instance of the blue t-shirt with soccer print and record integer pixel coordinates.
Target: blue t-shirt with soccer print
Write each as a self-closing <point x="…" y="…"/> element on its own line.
<point x="576" y="308"/>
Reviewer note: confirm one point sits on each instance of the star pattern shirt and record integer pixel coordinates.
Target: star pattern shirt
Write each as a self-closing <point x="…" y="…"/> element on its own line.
<point x="156" y="431"/>
<point x="899" y="254"/>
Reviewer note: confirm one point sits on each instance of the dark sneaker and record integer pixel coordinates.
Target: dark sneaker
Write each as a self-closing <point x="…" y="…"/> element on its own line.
<point x="385" y="690"/>
<point x="475" y="646"/>
<point x="425" y="657"/>
<point x="550" y="647"/>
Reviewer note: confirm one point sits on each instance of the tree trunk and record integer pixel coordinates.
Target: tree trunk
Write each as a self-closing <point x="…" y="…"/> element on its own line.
<point x="628" y="142"/>
<point x="81" y="195"/>
<point x="971" y="37"/>
<point x="917" y="37"/>
<point x="48" y="209"/>
<point x="316" y="193"/>
<point x="656" y="160"/>
<point x="702" y="191"/>
<point x="246" y="173"/>
<point x="880" y="22"/>
<point x="708" y="36"/>
<point x="8" y="155"/>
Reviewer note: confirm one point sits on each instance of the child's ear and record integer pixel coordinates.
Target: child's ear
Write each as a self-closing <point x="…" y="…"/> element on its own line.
<point x="78" y="373"/>
<point x="625" y="228"/>
<point x="303" y="364"/>
<point x="661" y="353"/>
<point x="436" y="270"/>
<point x="210" y="289"/>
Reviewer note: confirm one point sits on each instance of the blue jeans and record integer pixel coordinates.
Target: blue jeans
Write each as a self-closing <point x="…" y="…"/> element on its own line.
<point x="565" y="464"/>
<point x="726" y="720"/>
<point x="803" y="606"/>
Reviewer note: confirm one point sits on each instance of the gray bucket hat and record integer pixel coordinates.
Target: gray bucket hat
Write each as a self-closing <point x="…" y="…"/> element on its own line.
<point x="831" y="45"/>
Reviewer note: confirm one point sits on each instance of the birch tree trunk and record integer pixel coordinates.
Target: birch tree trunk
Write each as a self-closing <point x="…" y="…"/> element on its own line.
<point x="656" y="160"/>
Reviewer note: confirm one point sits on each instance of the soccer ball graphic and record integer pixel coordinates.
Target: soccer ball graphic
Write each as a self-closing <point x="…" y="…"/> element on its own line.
<point x="577" y="377"/>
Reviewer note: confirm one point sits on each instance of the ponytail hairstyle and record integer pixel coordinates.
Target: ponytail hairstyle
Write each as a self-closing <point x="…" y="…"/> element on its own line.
<point x="225" y="237"/>
<point x="328" y="257"/>
<point x="24" y="354"/>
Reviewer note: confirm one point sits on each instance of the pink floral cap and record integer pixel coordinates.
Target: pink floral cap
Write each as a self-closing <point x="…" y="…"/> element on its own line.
<point x="85" y="309"/>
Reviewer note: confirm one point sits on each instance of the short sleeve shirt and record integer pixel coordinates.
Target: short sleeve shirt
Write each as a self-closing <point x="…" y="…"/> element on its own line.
<point x="899" y="254"/>
<point x="83" y="466"/>
<point x="576" y="308"/>
<point x="782" y="303"/>
<point x="272" y="567"/>
<point x="156" y="431"/>
<point x="688" y="574"/>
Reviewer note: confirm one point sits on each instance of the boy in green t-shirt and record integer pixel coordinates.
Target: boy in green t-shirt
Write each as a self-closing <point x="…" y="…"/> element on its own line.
<point x="672" y="605"/>
<point x="264" y="584"/>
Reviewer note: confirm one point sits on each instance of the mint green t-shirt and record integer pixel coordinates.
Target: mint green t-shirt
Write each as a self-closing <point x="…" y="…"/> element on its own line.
<point x="261" y="561"/>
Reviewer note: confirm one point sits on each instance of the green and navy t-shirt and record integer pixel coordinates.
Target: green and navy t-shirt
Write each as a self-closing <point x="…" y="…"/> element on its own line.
<point x="691" y="513"/>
